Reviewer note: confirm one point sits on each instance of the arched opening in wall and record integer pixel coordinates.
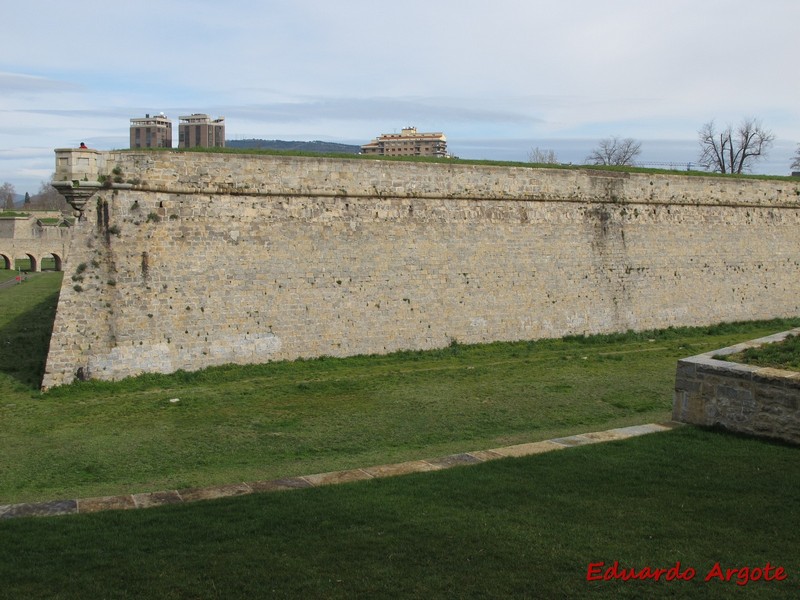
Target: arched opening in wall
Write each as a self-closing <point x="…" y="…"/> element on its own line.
<point x="28" y="263"/>
<point x="5" y="262"/>
<point x="51" y="262"/>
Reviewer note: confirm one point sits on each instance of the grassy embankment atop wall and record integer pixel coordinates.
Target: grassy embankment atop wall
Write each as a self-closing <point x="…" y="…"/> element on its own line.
<point x="459" y="161"/>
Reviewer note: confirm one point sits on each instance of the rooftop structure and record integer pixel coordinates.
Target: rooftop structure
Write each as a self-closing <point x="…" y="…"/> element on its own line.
<point x="199" y="130"/>
<point x="151" y="132"/>
<point x="407" y="143"/>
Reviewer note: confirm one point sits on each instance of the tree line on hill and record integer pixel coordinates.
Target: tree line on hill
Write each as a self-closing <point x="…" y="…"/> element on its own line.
<point x="315" y="146"/>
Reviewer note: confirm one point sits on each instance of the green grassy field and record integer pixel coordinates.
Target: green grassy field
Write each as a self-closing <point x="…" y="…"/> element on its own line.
<point x="515" y="528"/>
<point x="291" y="418"/>
<point x="27" y="311"/>
<point x="779" y="355"/>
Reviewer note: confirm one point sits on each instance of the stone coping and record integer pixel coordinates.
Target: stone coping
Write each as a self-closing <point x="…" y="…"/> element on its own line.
<point x="151" y="499"/>
<point x="746" y="371"/>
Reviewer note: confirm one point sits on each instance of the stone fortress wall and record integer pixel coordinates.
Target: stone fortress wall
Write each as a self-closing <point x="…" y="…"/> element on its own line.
<point x="186" y="260"/>
<point x="34" y="237"/>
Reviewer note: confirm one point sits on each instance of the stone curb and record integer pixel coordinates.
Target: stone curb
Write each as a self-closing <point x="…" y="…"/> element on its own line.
<point x="151" y="499"/>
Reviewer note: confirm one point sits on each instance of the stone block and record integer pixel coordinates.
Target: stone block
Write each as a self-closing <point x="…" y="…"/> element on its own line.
<point x="89" y="505"/>
<point x="39" y="509"/>
<point x="336" y="477"/>
<point x="150" y="499"/>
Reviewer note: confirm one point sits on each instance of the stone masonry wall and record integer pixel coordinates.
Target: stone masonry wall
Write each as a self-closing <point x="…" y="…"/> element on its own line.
<point x="26" y="236"/>
<point x="743" y="398"/>
<point x="206" y="259"/>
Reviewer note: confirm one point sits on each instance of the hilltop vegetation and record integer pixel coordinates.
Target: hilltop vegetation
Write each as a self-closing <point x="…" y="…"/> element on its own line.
<point x="314" y="147"/>
<point x="460" y="161"/>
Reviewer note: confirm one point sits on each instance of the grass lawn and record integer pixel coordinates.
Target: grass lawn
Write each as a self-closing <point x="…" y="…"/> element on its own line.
<point x="515" y="528"/>
<point x="291" y="418"/>
<point x="778" y="355"/>
<point x="27" y="311"/>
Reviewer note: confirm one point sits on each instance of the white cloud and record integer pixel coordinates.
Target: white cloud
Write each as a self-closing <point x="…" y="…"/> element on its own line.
<point x="507" y="71"/>
<point x="18" y="83"/>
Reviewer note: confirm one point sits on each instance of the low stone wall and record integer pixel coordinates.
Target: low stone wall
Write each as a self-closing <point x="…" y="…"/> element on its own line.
<point x="748" y="399"/>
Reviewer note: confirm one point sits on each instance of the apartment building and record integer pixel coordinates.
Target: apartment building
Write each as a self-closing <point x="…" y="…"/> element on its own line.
<point x="407" y="143"/>
<point x="151" y="132"/>
<point x="199" y="130"/>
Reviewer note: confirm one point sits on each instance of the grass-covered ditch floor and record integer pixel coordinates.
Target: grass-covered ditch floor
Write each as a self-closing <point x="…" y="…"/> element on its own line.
<point x="233" y="424"/>
<point x="530" y="527"/>
<point x="533" y="527"/>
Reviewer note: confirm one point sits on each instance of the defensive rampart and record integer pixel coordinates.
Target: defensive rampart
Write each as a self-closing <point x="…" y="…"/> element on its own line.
<point x="35" y="236"/>
<point x="186" y="260"/>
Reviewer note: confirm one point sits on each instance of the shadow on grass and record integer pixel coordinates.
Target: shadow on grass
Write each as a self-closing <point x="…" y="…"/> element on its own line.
<point x="527" y="527"/>
<point x="24" y="342"/>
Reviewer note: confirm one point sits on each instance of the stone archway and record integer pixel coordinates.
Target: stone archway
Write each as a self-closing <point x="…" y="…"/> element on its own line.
<point x="51" y="262"/>
<point x="33" y="262"/>
<point x="6" y="262"/>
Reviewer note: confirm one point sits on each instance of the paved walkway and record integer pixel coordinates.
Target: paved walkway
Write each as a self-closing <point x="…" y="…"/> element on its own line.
<point x="149" y="499"/>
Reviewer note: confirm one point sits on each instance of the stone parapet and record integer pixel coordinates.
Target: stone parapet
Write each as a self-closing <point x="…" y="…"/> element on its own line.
<point x="258" y="175"/>
<point x="744" y="398"/>
<point x="79" y="164"/>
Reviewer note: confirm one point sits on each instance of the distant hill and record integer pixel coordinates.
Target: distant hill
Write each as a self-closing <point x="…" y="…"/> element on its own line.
<point x="317" y="146"/>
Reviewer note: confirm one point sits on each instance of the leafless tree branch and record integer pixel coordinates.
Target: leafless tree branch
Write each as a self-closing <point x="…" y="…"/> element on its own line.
<point x="615" y="151"/>
<point x="733" y="151"/>
<point x="542" y="157"/>
<point x="796" y="158"/>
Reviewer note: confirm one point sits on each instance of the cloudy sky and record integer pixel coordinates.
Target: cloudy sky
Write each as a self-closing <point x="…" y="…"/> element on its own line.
<point x="498" y="77"/>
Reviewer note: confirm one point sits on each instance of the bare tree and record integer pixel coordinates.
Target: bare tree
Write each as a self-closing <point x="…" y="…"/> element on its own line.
<point x="48" y="198"/>
<point x="7" y="196"/>
<point x="733" y="150"/>
<point x="542" y="157"/>
<point x="796" y="158"/>
<point x="615" y="151"/>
